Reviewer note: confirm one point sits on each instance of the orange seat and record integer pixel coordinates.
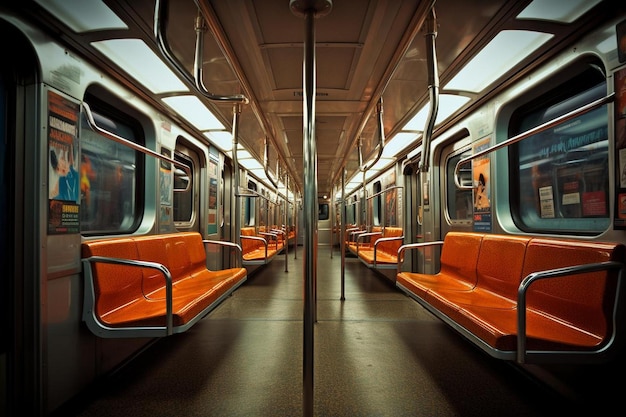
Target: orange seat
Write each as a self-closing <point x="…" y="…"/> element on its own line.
<point x="506" y="294"/>
<point x="130" y="284"/>
<point x="257" y="249"/>
<point x="382" y="252"/>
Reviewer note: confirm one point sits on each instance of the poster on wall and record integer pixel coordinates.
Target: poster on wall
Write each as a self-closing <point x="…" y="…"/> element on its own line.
<point x="166" y="181"/>
<point x="391" y="203"/>
<point x="482" y="188"/>
<point x="620" y="145"/>
<point x="213" y="188"/>
<point x="63" y="169"/>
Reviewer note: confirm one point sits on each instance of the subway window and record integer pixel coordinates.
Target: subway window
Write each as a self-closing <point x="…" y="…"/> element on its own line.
<point x="350" y="212"/>
<point x="110" y="183"/>
<point x="323" y="211"/>
<point x="183" y="189"/>
<point x="459" y="200"/>
<point x="375" y="205"/>
<point x="562" y="174"/>
<point x="249" y="206"/>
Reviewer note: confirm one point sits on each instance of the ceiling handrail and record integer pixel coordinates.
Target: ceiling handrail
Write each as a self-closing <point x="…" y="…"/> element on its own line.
<point x="160" y="24"/>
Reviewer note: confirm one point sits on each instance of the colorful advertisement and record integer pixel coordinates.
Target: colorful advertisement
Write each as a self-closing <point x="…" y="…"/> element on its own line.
<point x="63" y="169"/>
<point x="482" y="188"/>
<point x="620" y="147"/>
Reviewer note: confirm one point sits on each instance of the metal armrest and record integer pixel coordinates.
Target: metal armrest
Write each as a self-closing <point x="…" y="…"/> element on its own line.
<point x="556" y="273"/>
<point x="224" y="243"/>
<point x="90" y="291"/>
<point x="385" y="239"/>
<point x="411" y="246"/>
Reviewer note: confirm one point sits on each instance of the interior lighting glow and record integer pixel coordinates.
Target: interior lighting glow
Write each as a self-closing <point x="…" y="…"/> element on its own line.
<point x="243" y="154"/>
<point x="192" y="109"/>
<point x="258" y="171"/>
<point x="141" y="63"/>
<point x="252" y="165"/>
<point x="608" y="45"/>
<point x="223" y="139"/>
<point x="398" y="143"/>
<point x="83" y="16"/>
<point x="500" y="55"/>
<point x="563" y="11"/>
<point x="448" y="105"/>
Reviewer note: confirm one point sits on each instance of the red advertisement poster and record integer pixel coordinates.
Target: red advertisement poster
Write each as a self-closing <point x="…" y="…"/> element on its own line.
<point x="63" y="177"/>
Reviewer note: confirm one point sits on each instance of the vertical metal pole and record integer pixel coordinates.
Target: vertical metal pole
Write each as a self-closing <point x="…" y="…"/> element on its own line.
<point x="365" y="218"/>
<point x="342" y="242"/>
<point x="310" y="208"/>
<point x="433" y="88"/>
<point x="295" y="225"/>
<point x="237" y="222"/>
<point x="309" y="9"/>
<point x="286" y="220"/>
<point x="332" y="222"/>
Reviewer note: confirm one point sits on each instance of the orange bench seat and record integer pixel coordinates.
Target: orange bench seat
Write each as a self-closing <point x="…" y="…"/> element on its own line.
<point x="383" y="252"/>
<point x="361" y="238"/>
<point x="152" y="286"/>
<point x="527" y="299"/>
<point x="256" y="249"/>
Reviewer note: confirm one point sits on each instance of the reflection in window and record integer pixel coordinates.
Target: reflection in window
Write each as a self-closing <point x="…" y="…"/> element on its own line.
<point x="249" y="207"/>
<point x="322" y="211"/>
<point x="183" y="190"/>
<point x="459" y="201"/>
<point x="563" y="177"/>
<point x="109" y="178"/>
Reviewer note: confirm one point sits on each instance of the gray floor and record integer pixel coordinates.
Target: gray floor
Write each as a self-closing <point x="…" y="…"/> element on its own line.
<point x="377" y="353"/>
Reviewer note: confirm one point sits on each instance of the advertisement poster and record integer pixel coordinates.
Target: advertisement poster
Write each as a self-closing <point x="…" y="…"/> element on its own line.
<point x="63" y="157"/>
<point x="482" y="188"/>
<point x="620" y="145"/>
<point x="391" y="205"/>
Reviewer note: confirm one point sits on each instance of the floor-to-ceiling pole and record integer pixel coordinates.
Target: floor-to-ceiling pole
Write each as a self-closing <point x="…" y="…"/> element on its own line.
<point x="286" y="223"/>
<point x="236" y="177"/>
<point x="342" y="234"/>
<point x="310" y="208"/>
<point x="309" y="10"/>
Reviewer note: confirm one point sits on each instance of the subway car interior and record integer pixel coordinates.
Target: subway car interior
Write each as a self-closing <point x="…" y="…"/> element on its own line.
<point x="313" y="207"/>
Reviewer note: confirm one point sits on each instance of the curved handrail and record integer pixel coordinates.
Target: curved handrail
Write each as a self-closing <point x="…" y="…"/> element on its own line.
<point x="538" y="129"/>
<point x="160" y="23"/>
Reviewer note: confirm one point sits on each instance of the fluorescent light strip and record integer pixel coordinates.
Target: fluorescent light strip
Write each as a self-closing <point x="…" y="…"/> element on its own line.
<point x="223" y="139"/>
<point x="500" y="55"/>
<point x="192" y="109"/>
<point x="141" y="63"/>
<point x="448" y="104"/>
<point x="84" y="15"/>
<point x="398" y="143"/>
<point x="562" y="11"/>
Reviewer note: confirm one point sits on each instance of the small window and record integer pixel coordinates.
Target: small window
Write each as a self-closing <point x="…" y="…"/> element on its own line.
<point x="351" y="209"/>
<point x="322" y="211"/>
<point x="376" y="206"/>
<point x="249" y="206"/>
<point x="562" y="174"/>
<point x="459" y="201"/>
<point x="183" y="190"/>
<point x="110" y="174"/>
